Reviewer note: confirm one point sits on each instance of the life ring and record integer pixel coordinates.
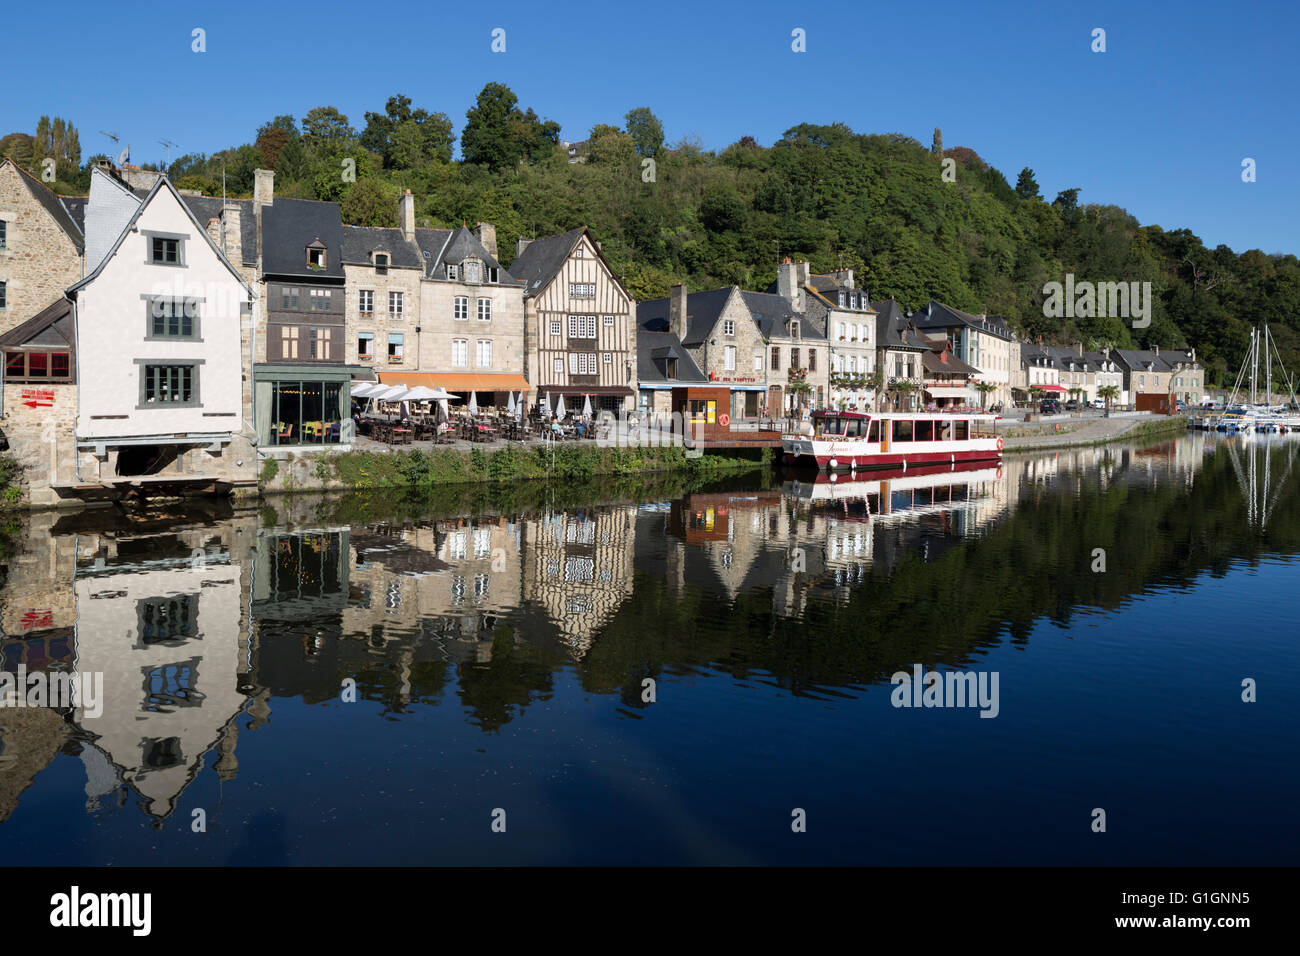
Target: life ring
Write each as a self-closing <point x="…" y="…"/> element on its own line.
<point x="999" y="444"/>
<point x="724" y="419"/>
<point x="999" y="471"/>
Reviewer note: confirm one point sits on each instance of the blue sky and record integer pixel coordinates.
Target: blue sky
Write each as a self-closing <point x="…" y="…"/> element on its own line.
<point x="1158" y="124"/>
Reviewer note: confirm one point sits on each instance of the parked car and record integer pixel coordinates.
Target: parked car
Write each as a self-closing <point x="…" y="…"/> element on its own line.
<point x="1098" y="403"/>
<point x="1049" y="406"/>
<point x="1073" y="405"/>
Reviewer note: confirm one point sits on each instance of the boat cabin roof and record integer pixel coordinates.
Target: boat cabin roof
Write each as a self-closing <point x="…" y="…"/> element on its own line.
<point x="936" y="416"/>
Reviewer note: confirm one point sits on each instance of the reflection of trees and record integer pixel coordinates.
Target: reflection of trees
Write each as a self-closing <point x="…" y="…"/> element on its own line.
<point x="1035" y="564"/>
<point x="517" y="674"/>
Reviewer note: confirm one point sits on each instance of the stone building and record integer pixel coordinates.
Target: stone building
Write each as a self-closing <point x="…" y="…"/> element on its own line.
<point x="579" y="323"/>
<point x="41" y="246"/>
<point x="900" y="358"/>
<point x="983" y="341"/>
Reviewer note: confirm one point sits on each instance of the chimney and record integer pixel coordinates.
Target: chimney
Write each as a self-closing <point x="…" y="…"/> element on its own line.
<point x="520" y="246"/>
<point x="1105" y="350"/>
<point x="233" y="245"/>
<point x="1078" y="347"/>
<point x="406" y="215"/>
<point x="1155" y="349"/>
<point x="214" y="231"/>
<point x="677" y="311"/>
<point x="844" y="277"/>
<point x="791" y="279"/>
<point x="263" y="187"/>
<point x="487" y="237"/>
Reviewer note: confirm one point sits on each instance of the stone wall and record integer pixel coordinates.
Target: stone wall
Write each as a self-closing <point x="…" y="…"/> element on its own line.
<point x="39" y="260"/>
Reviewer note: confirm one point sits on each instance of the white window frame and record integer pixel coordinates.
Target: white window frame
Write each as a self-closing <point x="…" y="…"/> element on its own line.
<point x="460" y="353"/>
<point x="482" y="352"/>
<point x="729" y="358"/>
<point x="729" y="327"/>
<point x="366" y="301"/>
<point x="485" y="310"/>
<point x="460" y="308"/>
<point x="396" y="304"/>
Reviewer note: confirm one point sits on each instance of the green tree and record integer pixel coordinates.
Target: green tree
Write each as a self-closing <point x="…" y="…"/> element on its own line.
<point x="368" y="202"/>
<point x="1026" y="185"/>
<point x="498" y="134"/>
<point x="645" y="129"/>
<point x="327" y="124"/>
<point x="406" y="138"/>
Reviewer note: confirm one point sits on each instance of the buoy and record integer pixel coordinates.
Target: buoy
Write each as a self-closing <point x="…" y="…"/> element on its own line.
<point x="834" y="463"/>
<point x="999" y="444"/>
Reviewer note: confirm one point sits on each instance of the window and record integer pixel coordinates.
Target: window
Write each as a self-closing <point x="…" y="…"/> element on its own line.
<point x="902" y="430"/>
<point x="473" y="271"/>
<point x="452" y="271"/>
<point x="578" y="252"/>
<point x="873" y="434"/>
<point x="320" y="344"/>
<point x="173" y="318"/>
<point x="4" y="234"/>
<point x="961" y="432"/>
<point x="288" y="298"/>
<point x="794" y="329"/>
<point x="729" y="327"/>
<point x="459" y="353"/>
<point x="758" y="363"/>
<point x="461" y="313"/>
<point x="38" y="366"/>
<point x="485" y="310"/>
<point x="319" y="300"/>
<point x="842" y="298"/>
<point x="794" y="358"/>
<point x="4" y="295"/>
<point x="557" y="366"/>
<point x="557" y="327"/>
<point x="289" y="342"/>
<point x="483" y="357"/>
<point x="924" y="430"/>
<point x="366" y="300"/>
<point x="381" y="263"/>
<point x="729" y="358"/>
<point x="365" y="345"/>
<point x="776" y="357"/>
<point x="316" y="257"/>
<point x="168" y="384"/>
<point x="582" y="363"/>
<point x="492" y="274"/>
<point x="582" y="326"/>
<point x="165" y="251"/>
<point x="396" y="301"/>
<point x="582" y="290"/>
<point x="607" y="358"/>
<point x="812" y="360"/>
<point x="607" y="321"/>
<point x="396" y="341"/>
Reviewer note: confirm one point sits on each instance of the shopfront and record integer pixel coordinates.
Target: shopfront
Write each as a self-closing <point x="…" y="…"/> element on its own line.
<point x="302" y="405"/>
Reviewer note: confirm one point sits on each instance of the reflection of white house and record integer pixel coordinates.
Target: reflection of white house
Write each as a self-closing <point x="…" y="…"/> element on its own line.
<point x="165" y="633"/>
<point x="159" y="325"/>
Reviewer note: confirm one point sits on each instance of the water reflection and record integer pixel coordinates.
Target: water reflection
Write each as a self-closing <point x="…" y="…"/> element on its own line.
<point x="202" y="622"/>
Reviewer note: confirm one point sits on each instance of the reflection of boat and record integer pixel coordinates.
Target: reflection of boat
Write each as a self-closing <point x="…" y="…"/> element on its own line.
<point x="895" y="490"/>
<point x="854" y="440"/>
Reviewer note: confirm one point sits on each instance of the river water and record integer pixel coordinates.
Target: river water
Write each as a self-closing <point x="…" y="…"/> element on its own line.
<point x="675" y="671"/>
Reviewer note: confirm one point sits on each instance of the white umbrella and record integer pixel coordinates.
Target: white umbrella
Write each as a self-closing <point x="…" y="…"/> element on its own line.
<point x="510" y="406"/>
<point x="559" y="408"/>
<point x="422" y="393"/>
<point x="473" y="403"/>
<point x="392" y="393"/>
<point x="546" y="406"/>
<point x="443" y="413"/>
<point x="586" y="406"/>
<point x="366" y="389"/>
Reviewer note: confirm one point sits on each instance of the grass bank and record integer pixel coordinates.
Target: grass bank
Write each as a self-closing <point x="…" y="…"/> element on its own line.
<point x="419" y="469"/>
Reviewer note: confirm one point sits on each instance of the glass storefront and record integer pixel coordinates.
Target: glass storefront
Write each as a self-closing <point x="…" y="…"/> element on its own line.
<point x="305" y="413"/>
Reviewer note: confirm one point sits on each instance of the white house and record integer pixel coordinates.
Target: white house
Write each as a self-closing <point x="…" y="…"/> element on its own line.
<point x="160" y="370"/>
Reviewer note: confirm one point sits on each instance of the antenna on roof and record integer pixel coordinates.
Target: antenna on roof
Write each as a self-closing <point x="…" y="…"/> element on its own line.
<point x="170" y="146"/>
<point x="112" y="136"/>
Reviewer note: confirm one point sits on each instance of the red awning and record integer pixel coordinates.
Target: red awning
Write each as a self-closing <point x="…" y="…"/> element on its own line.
<point x="1050" y="388"/>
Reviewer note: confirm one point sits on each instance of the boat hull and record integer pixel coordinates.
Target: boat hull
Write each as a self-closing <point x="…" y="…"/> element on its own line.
<point x="833" y="456"/>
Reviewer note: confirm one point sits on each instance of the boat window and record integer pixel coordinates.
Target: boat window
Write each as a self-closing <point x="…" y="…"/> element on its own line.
<point x="875" y="432"/>
<point x="961" y="430"/>
<point x="944" y="431"/>
<point x="902" y="430"/>
<point x="829" y="426"/>
<point x="924" y="430"/>
<point x="853" y="428"/>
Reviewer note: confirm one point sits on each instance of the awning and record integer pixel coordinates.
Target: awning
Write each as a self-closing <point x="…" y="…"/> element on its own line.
<point x="948" y="391"/>
<point x="585" y="390"/>
<point x="1049" y="388"/>
<point x="459" y="381"/>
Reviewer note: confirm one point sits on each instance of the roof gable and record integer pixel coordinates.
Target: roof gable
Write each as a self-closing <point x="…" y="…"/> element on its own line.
<point x="51" y="203"/>
<point x="52" y="326"/>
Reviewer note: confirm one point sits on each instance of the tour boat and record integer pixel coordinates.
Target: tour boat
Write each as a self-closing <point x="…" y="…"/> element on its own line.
<point x="838" y="440"/>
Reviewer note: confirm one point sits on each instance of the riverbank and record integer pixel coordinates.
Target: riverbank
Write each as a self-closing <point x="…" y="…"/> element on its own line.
<point x="1096" y="431"/>
<point x="361" y="469"/>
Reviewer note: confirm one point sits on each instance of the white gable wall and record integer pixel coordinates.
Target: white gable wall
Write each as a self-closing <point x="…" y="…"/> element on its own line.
<point x="113" y="330"/>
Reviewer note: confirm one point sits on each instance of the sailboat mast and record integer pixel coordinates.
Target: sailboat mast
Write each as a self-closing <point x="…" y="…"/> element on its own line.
<point x="1254" y="362"/>
<point x="1268" y="359"/>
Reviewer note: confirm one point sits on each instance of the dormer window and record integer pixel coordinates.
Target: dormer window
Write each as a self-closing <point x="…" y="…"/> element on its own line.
<point x="492" y="274"/>
<point x="452" y="271"/>
<point x="794" y="329"/>
<point x="381" y="263"/>
<point x="577" y="254"/>
<point x="473" y="271"/>
<point x="316" y="255"/>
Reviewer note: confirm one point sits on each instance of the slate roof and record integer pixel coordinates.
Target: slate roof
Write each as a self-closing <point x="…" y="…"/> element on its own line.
<point x="289" y="226"/>
<point x="209" y="207"/>
<point x="652" y="345"/>
<point x="1137" y="360"/>
<point x="772" y="313"/>
<point x="892" y="330"/>
<point x="76" y="207"/>
<point x="933" y="361"/>
<point x="431" y="243"/>
<point x="936" y="315"/>
<point x="702" y="311"/>
<point x="542" y="259"/>
<point x="52" y="205"/>
<point x="50" y="326"/>
<point x="360" y="241"/>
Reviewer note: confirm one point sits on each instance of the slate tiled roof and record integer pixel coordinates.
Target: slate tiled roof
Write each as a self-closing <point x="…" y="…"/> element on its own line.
<point x="360" y="241"/>
<point x="653" y="345"/>
<point x="289" y="226"/>
<point x="431" y="243"/>
<point x="892" y="330"/>
<point x="209" y="207"/>
<point x="50" y="326"/>
<point x="702" y="311"/>
<point x="76" y="207"/>
<point x="936" y="315"/>
<point x="934" y="362"/>
<point x="772" y="314"/>
<point x="542" y="259"/>
<point x="52" y="205"/>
